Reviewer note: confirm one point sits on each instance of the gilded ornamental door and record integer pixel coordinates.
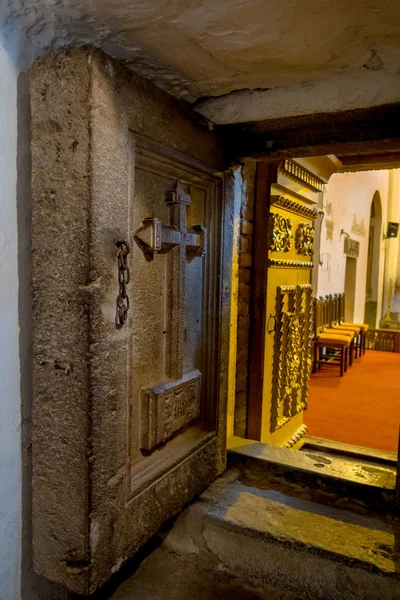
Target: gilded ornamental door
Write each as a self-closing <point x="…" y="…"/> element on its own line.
<point x="279" y="396"/>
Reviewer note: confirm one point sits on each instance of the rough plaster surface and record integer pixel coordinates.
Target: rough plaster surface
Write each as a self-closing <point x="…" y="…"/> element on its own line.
<point x="328" y="56"/>
<point x="10" y="409"/>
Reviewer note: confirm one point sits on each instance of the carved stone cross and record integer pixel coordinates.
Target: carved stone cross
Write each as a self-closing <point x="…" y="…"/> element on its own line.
<point x="154" y="238"/>
<point x="168" y="408"/>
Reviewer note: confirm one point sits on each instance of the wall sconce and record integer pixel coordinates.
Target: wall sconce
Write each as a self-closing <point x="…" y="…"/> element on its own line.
<point x="392" y="230"/>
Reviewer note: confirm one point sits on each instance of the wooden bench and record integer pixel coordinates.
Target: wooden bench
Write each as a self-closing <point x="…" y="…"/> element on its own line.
<point x="340" y="341"/>
<point x="335" y="346"/>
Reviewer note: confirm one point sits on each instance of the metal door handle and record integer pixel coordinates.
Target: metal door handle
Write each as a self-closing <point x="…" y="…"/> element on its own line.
<point x="271" y="316"/>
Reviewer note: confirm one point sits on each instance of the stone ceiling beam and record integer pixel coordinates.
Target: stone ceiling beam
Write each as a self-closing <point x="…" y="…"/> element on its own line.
<point x="362" y="162"/>
<point x="366" y="90"/>
<point x="363" y="131"/>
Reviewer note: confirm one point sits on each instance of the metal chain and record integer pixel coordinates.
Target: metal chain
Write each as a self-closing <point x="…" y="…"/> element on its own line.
<point x="124" y="277"/>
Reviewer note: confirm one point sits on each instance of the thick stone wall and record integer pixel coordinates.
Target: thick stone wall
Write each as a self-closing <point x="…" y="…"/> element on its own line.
<point x="10" y="413"/>
<point x="244" y="298"/>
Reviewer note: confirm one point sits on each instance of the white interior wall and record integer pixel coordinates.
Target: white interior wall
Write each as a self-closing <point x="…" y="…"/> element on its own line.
<point x="348" y="197"/>
<point x="395" y="265"/>
<point x="10" y="419"/>
<point x="392" y="245"/>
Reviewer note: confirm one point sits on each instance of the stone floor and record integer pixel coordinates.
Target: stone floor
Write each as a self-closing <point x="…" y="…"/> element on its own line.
<point x="239" y="542"/>
<point x="168" y="576"/>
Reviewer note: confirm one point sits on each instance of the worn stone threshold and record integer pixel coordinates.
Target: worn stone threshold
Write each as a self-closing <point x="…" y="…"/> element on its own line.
<point x="349" y="450"/>
<point x="321" y="552"/>
<point x="245" y="543"/>
<point x="371" y="484"/>
<point x="349" y="459"/>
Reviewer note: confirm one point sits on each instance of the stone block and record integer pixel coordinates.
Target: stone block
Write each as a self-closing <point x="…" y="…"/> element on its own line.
<point x="246" y="227"/>
<point x="247" y="211"/>
<point x="243" y="308"/>
<point x="241" y="399"/>
<point x="244" y="291"/>
<point x="246" y="243"/>
<point x="240" y="428"/>
<point x="242" y="354"/>
<point x="240" y="412"/>
<point x="243" y="338"/>
<point x="245" y="260"/>
<point x="245" y="275"/>
<point x="241" y="384"/>
<point x="244" y="322"/>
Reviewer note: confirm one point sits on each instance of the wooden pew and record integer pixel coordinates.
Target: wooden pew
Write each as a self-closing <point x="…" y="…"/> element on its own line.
<point x="336" y="345"/>
<point x="336" y="325"/>
<point x="363" y="326"/>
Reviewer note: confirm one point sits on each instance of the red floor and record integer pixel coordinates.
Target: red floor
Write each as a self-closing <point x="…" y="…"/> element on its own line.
<point x="363" y="407"/>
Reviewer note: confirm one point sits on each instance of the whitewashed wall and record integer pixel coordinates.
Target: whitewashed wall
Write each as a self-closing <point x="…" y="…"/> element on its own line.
<point x="349" y="197"/>
<point x="10" y="443"/>
<point x="393" y="246"/>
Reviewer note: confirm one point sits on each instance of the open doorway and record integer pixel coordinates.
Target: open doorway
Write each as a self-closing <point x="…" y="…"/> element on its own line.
<point x="353" y="406"/>
<point x="319" y="220"/>
<point x="373" y="261"/>
<point x="268" y="145"/>
<point x="318" y="249"/>
<point x="350" y="282"/>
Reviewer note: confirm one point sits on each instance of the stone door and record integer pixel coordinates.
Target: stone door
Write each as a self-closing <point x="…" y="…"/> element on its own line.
<point x="131" y="276"/>
<point x="277" y="403"/>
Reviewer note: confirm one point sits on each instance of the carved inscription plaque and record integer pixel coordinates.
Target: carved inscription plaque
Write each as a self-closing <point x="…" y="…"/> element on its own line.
<point x="168" y="408"/>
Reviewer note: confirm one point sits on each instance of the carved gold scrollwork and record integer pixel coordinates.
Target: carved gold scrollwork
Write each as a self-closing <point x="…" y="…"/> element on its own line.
<point x="292" y="353"/>
<point x="289" y="264"/>
<point x="294" y="349"/>
<point x="305" y="239"/>
<point x="294" y="207"/>
<point x="296" y="437"/>
<point x="280" y="233"/>
<point x="297" y="173"/>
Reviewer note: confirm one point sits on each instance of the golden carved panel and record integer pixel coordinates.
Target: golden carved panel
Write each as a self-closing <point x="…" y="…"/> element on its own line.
<point x="294" y="207"/>
<point x="280" y="233"/>
<point x="292" y="353"/>
<point x="299" y="174"/>
<point x="305" y="239"/>
<point x="289" y="264"/>
<point x="296" y="437"/>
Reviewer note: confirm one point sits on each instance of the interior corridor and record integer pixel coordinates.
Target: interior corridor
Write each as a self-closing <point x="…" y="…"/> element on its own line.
<point x="361" y="408"/>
